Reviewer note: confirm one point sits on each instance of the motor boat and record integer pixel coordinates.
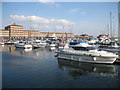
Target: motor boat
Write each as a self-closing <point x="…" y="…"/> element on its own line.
<point x="83" y="52"/>
<point x="9" y="43"/>
<point x="110" y="45"/>
<point x="38" y="44"/>
<point x="2" y="42"/>
<point x="23" y="45"/>
<point x="51" y="45"/>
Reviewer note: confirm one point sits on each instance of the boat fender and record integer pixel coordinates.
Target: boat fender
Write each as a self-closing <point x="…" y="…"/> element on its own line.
<point x="56" y="55"/>
<point x="94" y="58"/>
<point x="90" y="54"/>
<point x="84" y="54"/>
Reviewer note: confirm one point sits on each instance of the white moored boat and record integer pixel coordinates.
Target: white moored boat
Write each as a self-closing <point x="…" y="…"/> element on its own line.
<point x="86" y="53"/>
<point x="51" y="45"/>
<point x="2" y="42"/>
<point x="39" y="44"/>
<point x="23" y="45"/>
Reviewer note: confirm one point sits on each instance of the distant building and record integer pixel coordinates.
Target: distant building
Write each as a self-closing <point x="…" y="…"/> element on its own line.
<point x="33" y="33"/>
<point x="83" y="36"/>
<point x="103" y="36"/>
<point x="56" y="35"/>
<point x="17" y="31"/>
<point x="4" y="33"/>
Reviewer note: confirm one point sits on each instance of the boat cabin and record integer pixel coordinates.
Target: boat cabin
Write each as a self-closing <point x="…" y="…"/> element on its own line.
<point x="84" y="48"/>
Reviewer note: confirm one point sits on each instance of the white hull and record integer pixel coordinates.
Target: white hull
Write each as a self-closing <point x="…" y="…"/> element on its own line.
<point x="38" y="45"/>
<point x="51" y="46"/>
<point x="1" y="43"/>
<point x="27" y="46"/>
<point x="86" y="58"/>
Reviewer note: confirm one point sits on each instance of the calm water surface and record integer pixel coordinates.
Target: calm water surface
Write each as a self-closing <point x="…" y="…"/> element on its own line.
<point x="39" y="68"/>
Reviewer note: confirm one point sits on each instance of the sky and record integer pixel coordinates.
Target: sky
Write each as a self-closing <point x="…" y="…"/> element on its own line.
<point x="77" y="17"/>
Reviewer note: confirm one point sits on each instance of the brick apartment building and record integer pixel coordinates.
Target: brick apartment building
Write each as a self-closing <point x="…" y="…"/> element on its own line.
<point x="17" y="31"/>
<point x="4" y="33"/>
<point x="57" y="35"/>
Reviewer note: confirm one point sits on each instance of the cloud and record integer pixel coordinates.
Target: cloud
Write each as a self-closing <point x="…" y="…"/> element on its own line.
<point x="40" y="23"/>
<point x="74" y="10"/>
<point x="45" y="1"/>
<point x="38" y="19"/>
<point x="49" y="2"/>
<point x="77" y="10"/>
<point x="82" y="13"/>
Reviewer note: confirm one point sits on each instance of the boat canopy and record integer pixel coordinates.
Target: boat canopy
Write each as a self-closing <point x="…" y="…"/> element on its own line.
<point x="76" y="42"/>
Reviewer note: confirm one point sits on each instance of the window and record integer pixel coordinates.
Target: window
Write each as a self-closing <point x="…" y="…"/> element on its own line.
<point x="83" y="48"/>
<point x="80" y="48"/>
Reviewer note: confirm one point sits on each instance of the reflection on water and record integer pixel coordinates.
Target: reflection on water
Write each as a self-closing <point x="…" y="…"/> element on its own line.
<point x="39" y="68"/>
<point x="32" y="53"/>
<point x="76" y="69"/>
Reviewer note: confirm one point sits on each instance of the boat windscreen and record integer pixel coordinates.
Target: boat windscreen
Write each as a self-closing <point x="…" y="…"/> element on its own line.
<point x="83" y="48"/>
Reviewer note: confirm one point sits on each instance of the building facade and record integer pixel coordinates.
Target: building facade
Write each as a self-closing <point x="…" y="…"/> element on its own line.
<point x="4" y="33"/>
<point x="33" y="33"/>
<point x="56" y="35"/>
<point x="83" y="36"/>
<point x="17" y="31"/>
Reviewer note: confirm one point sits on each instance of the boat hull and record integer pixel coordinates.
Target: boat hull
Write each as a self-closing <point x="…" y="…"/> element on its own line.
<point x="9" y="43"/>
<point x="23" y="46"/>
<point x="86" y="58"/>
<point x="38" y="46"/>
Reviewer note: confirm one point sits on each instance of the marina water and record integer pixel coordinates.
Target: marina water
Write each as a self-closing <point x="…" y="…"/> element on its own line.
<point x="39" y="68"/>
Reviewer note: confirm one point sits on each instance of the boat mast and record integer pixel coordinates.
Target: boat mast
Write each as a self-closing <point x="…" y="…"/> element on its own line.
<point x="111" y="24"/>
<point x="54" y="27"/>
<point x="70" y="30"/>
<point x="108" y="29"/>
<point x="113" y="27"/>
<point x="54" y="30"/>
<point x="29" y="28"/>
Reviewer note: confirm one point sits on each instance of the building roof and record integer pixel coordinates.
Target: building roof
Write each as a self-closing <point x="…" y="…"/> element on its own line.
<point x="14" y="25"/>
